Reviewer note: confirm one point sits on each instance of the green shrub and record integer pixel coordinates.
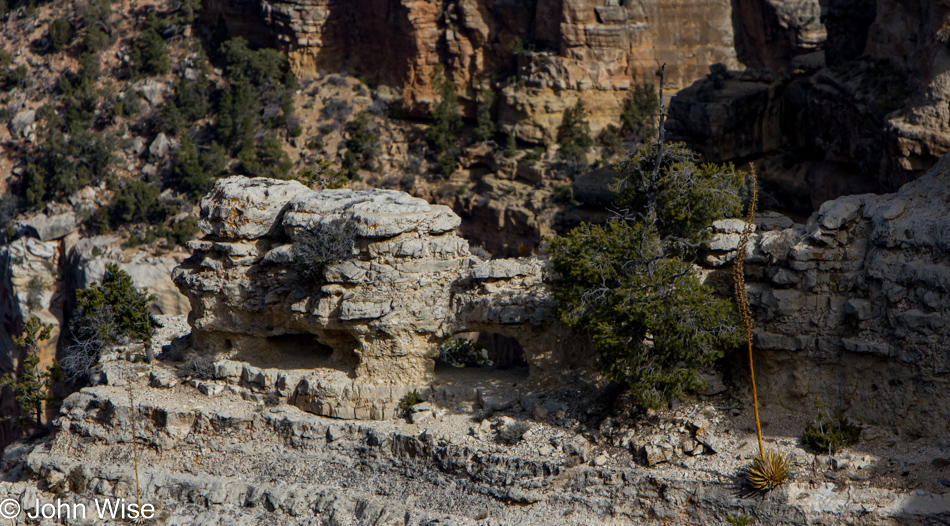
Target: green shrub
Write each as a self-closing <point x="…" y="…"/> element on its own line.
<point x="183" y="231"/>
<point x="95" y="39"/>
<point x="264" y="68"/>
<point x="187" y="170"/>
<point x="362" y="145"/>
<point x="640" y="111"/>
<point x="829" y="435"/>
<point x="485" y="124"/>
<point x="321" y="175"/>
<point x="170" y="119"/>
<point x="274" y="161"/>
<point x="322" y="246"/>
<point x="238" y="110"/>
<point x="630" y="286"/>
<point x="193" y="98"/>
<point x="611" y="142"/>
<point x="574" y="138"/>
<point x="149" y="55"/>
<point x="11" y="78"/>
<point x="411" y="399"/>
<point x="137" y="202"/>
<point x="32" y="387"/>
<point x="61" y="33"/>
<point x="511" y="146"/>
<point x="63" y="166"/>
<point x="462" y="352"/>
<point x="97" y="12"/>
<point x="109" y="313"/>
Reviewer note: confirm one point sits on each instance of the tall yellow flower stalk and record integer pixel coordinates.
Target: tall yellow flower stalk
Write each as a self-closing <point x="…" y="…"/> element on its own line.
<point x="770" y="468"/>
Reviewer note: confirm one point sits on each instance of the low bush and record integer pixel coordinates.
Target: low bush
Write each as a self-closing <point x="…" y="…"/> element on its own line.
<point x="830" y="434"/>
<point x="148" y="55"/>
<point x="137" y="202"/>
<point x="411" y="399"/>
<point x="61" y="33"/>
<point x="462" y="352"/>
<point x="323" y="245"/>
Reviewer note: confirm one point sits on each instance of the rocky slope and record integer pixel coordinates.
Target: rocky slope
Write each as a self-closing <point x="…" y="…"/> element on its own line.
<point x="219" y="452"/>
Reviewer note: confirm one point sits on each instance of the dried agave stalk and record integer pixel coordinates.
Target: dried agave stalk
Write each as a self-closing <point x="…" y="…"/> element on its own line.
<point x="135" y="449"/>
<point x="770" y="468"/>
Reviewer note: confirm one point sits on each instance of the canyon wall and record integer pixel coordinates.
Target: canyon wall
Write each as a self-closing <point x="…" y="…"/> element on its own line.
<point x="854" y="305"/>
<point x="566" y="49"/>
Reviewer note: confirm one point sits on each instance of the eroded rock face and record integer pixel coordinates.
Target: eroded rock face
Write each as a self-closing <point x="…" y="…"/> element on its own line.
<point x="854" y="306"/>
<point x="870" y="104"/>
<point x="570" y="48"/>
<point x="377" y="316"/>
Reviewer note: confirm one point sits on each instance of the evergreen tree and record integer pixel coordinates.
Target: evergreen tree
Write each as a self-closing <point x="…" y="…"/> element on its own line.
<point x="630" y="284"/>
<point x="485" y="128"/>
<point x="574" y="138"/>
<point x="31" y="386"/>
<point x="446" y="120"/>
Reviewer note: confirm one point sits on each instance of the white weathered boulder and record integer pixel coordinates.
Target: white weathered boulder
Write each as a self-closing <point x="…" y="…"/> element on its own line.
<point x="21" y="122"/>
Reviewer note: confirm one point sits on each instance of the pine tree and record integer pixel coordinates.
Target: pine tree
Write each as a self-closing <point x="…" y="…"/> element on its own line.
<point x="446" y="120"/>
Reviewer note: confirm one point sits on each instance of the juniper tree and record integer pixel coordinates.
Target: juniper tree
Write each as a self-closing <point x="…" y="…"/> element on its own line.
<point x="109" y="313"/>
<point x="630" y="284"/>
<point x="30" y="385"/>
<point x="574" y="138"/>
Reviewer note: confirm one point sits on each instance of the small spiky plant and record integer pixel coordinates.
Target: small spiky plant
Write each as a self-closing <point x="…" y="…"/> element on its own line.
<point x="767" y="471"/>
<point x="770" y="468"/>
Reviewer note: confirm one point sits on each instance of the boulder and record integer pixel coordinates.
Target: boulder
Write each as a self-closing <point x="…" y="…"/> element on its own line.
<point x="51" y="227"/>
<point x="19" y="125"/>
<point x="159" y="147"/>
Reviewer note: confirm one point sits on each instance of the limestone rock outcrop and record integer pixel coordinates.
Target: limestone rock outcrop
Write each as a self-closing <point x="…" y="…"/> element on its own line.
<point x="372" y="321"/>
<point x="854" y="306"/>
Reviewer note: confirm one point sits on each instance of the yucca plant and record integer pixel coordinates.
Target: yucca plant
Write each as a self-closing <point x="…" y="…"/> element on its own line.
<point x="770" y="468"/>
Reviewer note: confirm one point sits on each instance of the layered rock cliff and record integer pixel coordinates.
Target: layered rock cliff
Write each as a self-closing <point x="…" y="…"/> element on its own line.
<point x="864" y="112"/>
<point x="551" y="52"/>
<point x="854" y="305"/>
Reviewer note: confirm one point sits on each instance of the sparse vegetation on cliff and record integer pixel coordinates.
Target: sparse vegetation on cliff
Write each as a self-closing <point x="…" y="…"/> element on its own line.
<point x="111" y="312"/>
<point x="323" y="245"/>
<point x="629" y="284"/>
<point x="574" y="138"/>
<point x="32" y="386"/>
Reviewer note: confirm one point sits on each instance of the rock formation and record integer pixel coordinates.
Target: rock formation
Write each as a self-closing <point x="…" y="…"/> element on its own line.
<point x="854" y="306"/>
<point x="865" y="113"/>
<point x="569" y="49"/>
<point x="376" y="317"/>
